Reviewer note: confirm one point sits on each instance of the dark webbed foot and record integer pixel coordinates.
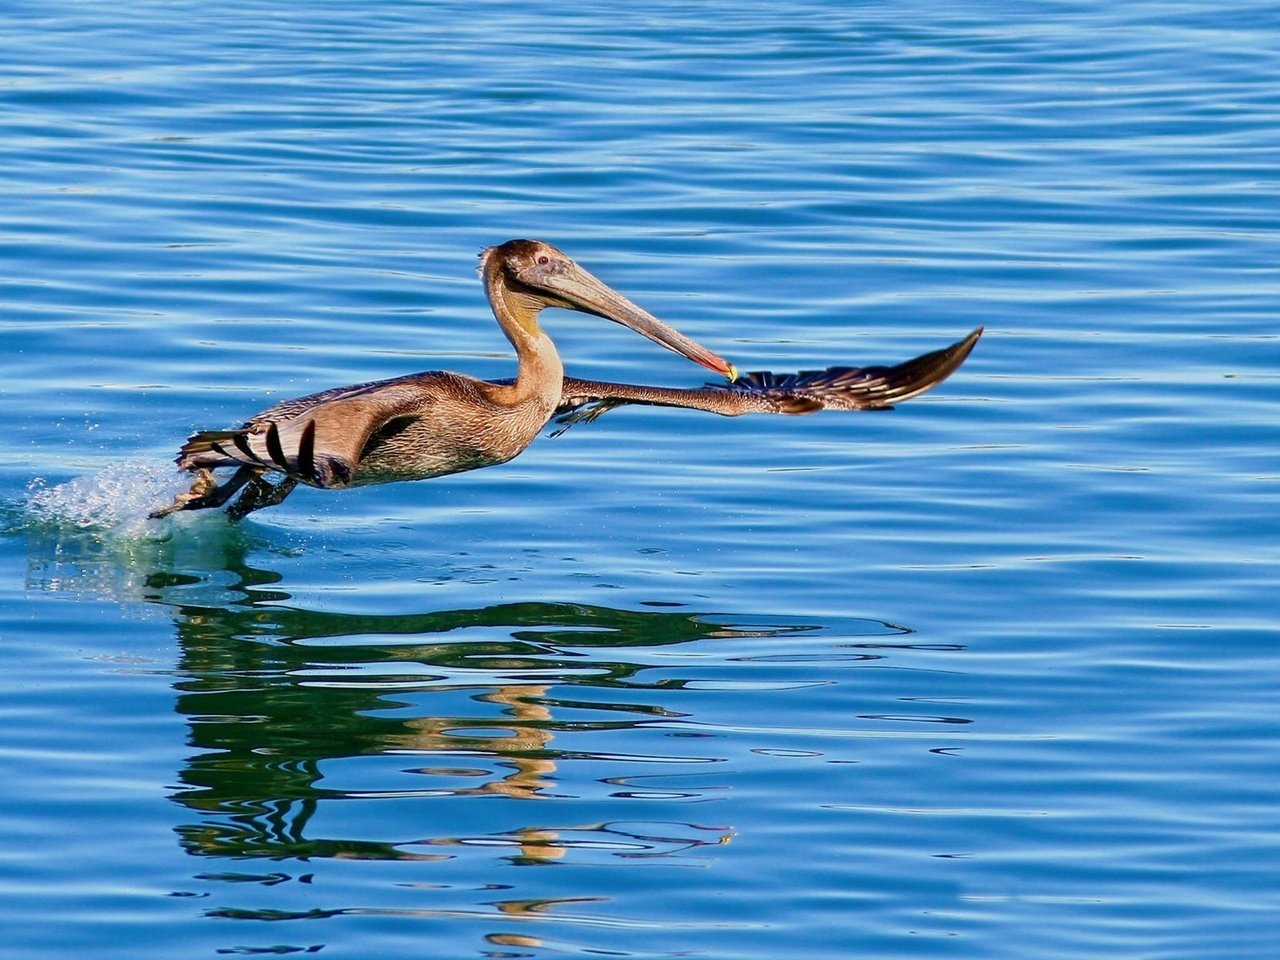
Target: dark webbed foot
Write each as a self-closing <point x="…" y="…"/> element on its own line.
<point x="205" y="492"/>
<point x="260" y="494"/>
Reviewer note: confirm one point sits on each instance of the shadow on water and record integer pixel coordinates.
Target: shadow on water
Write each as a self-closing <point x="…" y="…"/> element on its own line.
<point x="292" y="712"/>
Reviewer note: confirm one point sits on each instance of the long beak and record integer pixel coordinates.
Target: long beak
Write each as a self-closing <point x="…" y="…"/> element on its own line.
<point x="581" y="291"/>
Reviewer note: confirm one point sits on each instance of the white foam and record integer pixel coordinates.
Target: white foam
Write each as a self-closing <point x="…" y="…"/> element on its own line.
<point x="115" y="500"/>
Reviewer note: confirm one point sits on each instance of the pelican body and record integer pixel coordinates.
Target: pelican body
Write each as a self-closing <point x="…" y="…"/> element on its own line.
<point x="436" y="423"/>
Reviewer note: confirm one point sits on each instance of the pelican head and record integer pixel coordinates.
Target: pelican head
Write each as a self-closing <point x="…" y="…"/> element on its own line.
<point x="536" y="275"/>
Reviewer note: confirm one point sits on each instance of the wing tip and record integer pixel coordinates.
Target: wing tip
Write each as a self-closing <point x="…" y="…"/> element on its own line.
<point x="928" y="370"/>
<point x="204" y="449"/>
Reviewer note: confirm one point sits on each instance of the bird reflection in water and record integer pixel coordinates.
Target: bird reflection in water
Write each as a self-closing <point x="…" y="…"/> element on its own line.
<point x="289" y="708"/>
<point x="279" y="704"/>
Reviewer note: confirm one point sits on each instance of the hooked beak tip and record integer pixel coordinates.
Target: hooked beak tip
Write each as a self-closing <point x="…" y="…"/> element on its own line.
<point x="712" y="362"/>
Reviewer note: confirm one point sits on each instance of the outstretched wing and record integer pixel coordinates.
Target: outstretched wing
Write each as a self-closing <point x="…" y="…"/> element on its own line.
<point x="317" y="440"/>
<point x="836" y="388"/>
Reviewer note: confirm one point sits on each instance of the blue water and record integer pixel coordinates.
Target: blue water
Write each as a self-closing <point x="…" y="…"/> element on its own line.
<point x="993" y="675"/>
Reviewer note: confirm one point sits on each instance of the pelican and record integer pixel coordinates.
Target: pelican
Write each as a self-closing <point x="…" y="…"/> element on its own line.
<point x="436" y="423"/>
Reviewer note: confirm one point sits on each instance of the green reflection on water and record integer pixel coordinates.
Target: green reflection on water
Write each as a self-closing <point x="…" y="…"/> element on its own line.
<point x="289" y="708"/>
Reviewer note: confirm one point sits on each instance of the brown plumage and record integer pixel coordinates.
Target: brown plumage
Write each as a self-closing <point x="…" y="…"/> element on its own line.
<point x="431" y="424"/>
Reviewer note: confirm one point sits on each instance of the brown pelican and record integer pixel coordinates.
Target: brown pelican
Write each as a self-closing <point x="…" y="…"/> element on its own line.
<point x="431" y="424"/>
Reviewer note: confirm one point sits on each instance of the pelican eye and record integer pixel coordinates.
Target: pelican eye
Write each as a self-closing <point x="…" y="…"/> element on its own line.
<point x="543" y="259"/>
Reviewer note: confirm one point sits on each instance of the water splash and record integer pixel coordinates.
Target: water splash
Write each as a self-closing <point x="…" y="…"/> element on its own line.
<point x="115" y="500"/>
<point x="89" y="538"/>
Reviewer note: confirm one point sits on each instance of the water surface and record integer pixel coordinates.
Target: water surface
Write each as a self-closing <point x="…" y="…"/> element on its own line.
<point x="991" y="675"/>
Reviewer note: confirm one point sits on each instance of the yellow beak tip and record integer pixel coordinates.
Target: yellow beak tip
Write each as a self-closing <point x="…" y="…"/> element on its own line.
<point x="732" y="374"/>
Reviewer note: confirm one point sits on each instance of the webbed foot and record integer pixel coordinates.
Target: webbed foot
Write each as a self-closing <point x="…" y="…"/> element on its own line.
<point x="206" y="492"/>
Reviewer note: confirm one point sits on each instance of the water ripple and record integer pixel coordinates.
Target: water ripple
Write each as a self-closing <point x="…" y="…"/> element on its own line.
<point x="991" y="674"/>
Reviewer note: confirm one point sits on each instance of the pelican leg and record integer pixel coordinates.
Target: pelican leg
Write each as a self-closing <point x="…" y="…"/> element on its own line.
<point x="205" y="492"/>
<point x="260" y="494"/>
